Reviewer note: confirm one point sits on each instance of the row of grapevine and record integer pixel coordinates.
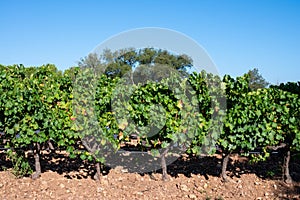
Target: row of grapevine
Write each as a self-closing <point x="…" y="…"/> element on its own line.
<point x="35" y="112"/>
<point x="94" y="116"/>
<point x="266" y="118"/>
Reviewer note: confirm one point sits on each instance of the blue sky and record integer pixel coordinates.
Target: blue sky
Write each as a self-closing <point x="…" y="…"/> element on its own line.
<point x="238" y="34"/>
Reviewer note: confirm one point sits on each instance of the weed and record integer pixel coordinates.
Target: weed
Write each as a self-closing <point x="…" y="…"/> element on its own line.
<point x="21" y="166"/>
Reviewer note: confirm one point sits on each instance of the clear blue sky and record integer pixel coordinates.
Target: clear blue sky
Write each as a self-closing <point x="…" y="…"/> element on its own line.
<point x="238" y="34"/>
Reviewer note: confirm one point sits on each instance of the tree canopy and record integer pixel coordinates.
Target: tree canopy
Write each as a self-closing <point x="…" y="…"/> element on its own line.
<point x="256" y="80"/>
<point x="118" y="63"/>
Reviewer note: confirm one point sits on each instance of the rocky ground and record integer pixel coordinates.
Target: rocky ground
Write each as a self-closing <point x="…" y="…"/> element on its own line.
<point x="190" y="178"/>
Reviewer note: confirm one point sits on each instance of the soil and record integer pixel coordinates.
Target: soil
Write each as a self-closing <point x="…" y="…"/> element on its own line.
<point x="189" y="178"/>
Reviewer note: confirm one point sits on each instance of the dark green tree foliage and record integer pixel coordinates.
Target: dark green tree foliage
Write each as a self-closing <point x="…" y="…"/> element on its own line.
<point x="118" y="63"/>
<point x="91" y="61"/>
<point x="153" y="57"/>
<point x="256" y="80"/>
<point x="293" y="87"/>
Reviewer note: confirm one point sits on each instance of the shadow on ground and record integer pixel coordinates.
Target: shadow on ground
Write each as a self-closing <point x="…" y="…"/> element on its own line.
<point x="205" y="166"/>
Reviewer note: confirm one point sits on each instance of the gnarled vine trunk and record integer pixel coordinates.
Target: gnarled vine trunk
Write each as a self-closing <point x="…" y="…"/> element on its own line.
<point x="92" y="150"/>
<point x="164" y="165"/>
<point x="286" y="172"/>
<point x="37" y="163"/>
<point x="50" y="145"/>
<point x="98" y="174"/>
<point x="224" y="167"/>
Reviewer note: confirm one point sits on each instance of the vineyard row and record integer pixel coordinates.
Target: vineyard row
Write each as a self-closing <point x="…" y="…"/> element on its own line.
<point x="92" y="116"/>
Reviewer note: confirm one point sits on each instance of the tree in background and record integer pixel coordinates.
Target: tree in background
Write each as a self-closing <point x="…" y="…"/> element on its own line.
<point x="118" y="63"/>
<point x="91" y="61"/>
<point x="293" y="87"/>
<point x="256" y="80"/>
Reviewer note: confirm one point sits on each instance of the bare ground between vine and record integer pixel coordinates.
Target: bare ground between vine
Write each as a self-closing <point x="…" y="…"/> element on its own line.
<point x="190" y="178"/>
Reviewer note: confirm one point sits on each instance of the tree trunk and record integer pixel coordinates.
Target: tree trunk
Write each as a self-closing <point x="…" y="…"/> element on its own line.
<point x="286" y="172"/>
<point x="98" y="171"/>
<point x="38" y="170"/>
<point x="224" y="167"/>
<point x="164" y="165"/>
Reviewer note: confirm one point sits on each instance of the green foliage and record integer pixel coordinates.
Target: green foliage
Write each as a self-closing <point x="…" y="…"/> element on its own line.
<point x="92" y="61"/>
<point x="21" y="166"/>
<point x="210" y="98"/>
<point x="159" y="113"/>
<point x="35" y="107"/>
<point x="91" y="116"/>
<point x="262" y="118"/>
<point x="293" y="87"/>
<point x="256" y="81"/>
<point x="120" y="62"/>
